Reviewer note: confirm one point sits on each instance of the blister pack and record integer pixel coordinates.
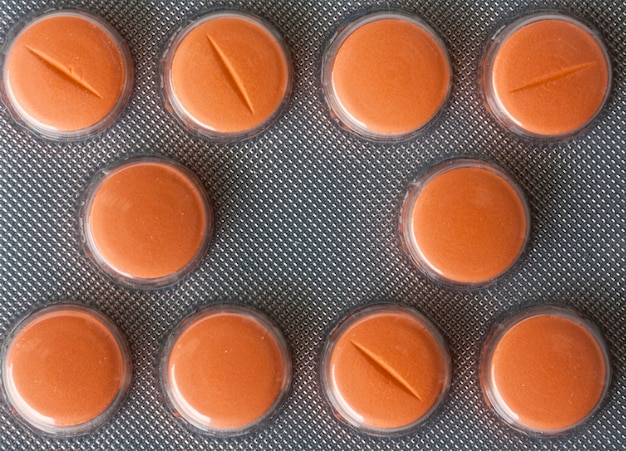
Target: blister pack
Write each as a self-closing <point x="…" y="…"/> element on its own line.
<point x="312" y="225"/>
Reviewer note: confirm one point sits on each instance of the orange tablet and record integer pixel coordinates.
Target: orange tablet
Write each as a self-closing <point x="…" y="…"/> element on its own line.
<point x="547" y="76"/>
<point x="147" y="221"/>
<point x="386" y="75"/>
<point x="545" y="370"/>
<point x="226" y="369"/>
<point x="227" y="75"/>
<point x="67" y="74"/>
<point x="465" y="223"/>
<point x="65" y="369"/>
<point x="385" y="369"/>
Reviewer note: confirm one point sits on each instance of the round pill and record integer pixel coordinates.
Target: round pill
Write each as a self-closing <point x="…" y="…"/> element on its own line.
<point x="226" y="369"/>
<point x="547" y="76"/>
<point x="385" y="369"/>
<point x="227" y="75"/>
<point x="465" y="222"/>
<point x="386" y="75"/>
<point x="65" y="369"/>
<point x="147" y="221"/>
<point x="67" y="74"/>
<point x="545" y="370"/>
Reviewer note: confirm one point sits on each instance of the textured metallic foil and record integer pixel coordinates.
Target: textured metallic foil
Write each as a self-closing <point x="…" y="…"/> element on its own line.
<point x="307" y="228"/>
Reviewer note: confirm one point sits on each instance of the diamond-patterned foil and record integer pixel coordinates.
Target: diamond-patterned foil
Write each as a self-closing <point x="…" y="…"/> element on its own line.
<point x="307" y="228"/>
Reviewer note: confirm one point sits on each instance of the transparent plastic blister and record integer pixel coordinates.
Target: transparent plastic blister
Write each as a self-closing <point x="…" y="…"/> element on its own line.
<point x="465" y="223"/>
<point x="66" y="74"/>
<point x="546" y="76"/>
<point x="226" y="75"/>
<point x="225" y="370"/>
<point x="545" y="370"/>
<point x="386" y="75"/>
<point x="146" y="221"/>
<point x="385" y="370"/>
<point x="66" y="369"/>
<point x="313" y="218"/>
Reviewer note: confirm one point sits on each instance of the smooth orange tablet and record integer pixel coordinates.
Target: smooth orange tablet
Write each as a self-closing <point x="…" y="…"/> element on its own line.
<point x="386" y="75"/>
<point x="545" y="370"/>
<point x="226" y="369"/>
<point x="147" y="221"/>
<point x="65" y="369"/>
<point x="385" y="369"/>
<point x="227" y="75"/>
<point x="465" y="222"/>
<point x="67" y="74"/>
<point x="547" y="76"/>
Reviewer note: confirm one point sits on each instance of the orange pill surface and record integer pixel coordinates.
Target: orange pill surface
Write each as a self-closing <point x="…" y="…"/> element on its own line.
<point x="385" y="369"/>
<point x="386" y="75"/>
<point x="545" y="371"/>
<point x="67" y="74"/>
<point x="466" y="222"/>
<point x="547" y="76"/>
<point x="147" y="221"/>
<point x="226" y="369"/>
<point x="65" y="369"/>
<point x="227" y="75"/>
